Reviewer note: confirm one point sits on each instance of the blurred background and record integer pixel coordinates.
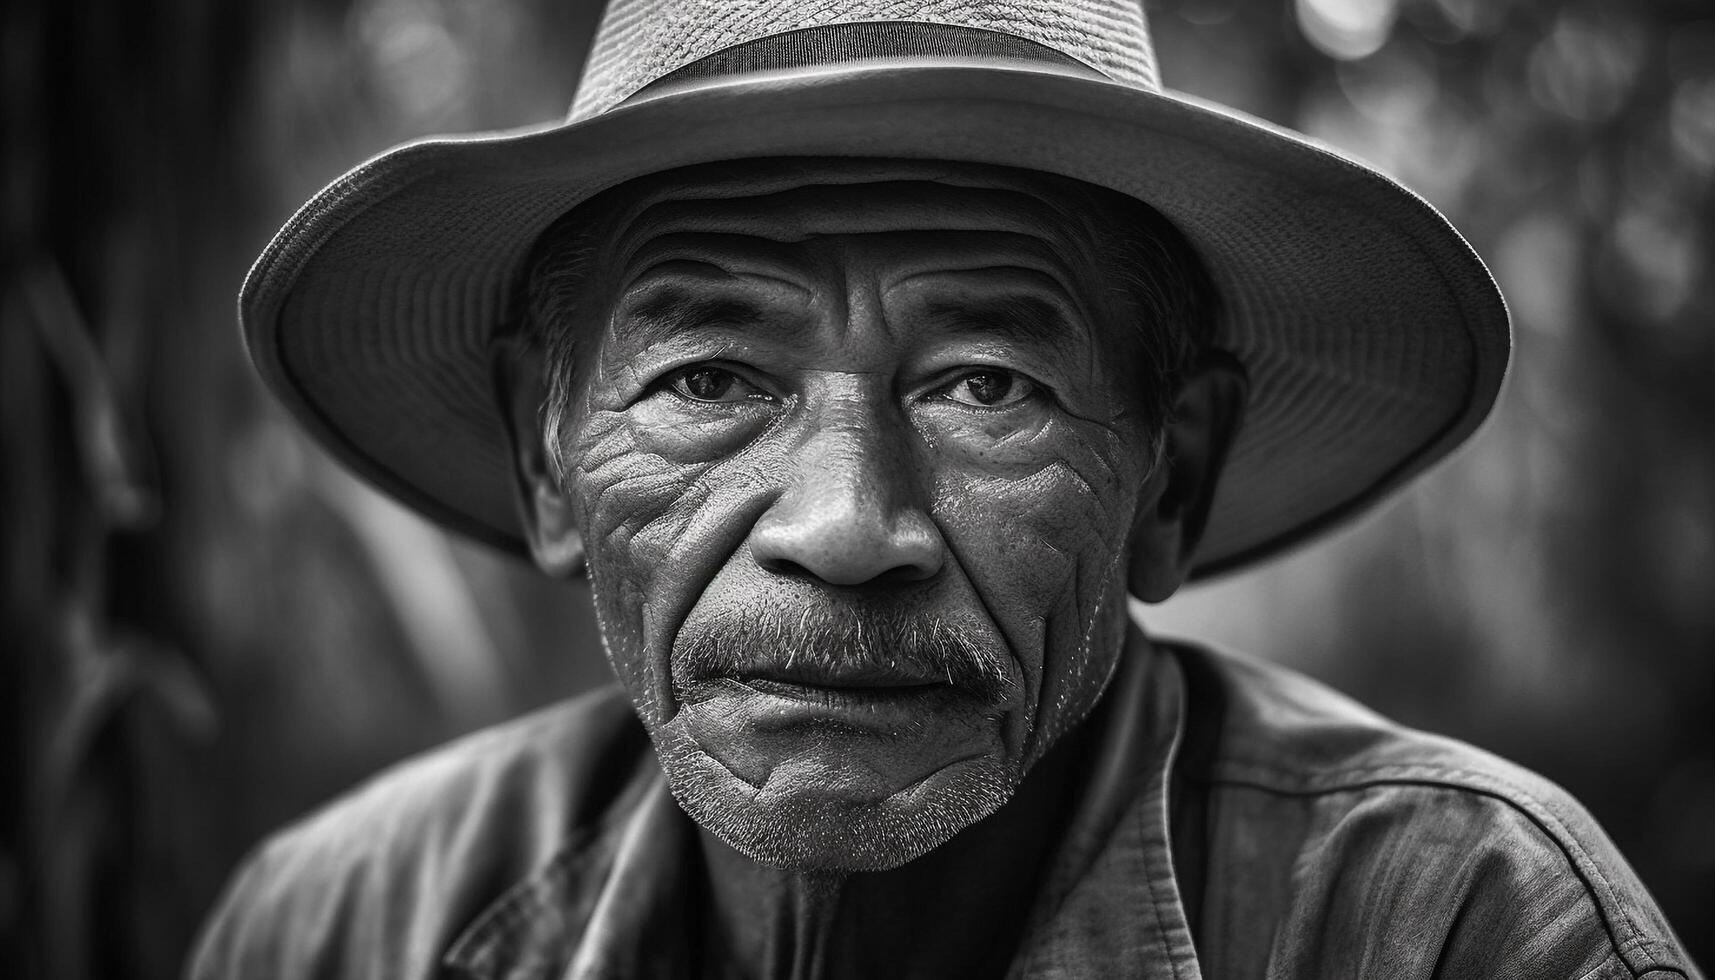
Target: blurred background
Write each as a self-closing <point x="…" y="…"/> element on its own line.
<point x="209" y="628"/>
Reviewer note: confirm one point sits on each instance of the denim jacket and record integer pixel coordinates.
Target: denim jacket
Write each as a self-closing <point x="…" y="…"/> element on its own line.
<point x="1242" y="821"/>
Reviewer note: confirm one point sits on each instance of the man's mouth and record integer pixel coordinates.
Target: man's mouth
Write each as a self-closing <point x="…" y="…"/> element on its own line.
<point x="837" y="660"/>
<point x="870" y="700"/>
<point x="855" y="678"/>
<point x="846" y="692"/>
<point x="857" y="713"/>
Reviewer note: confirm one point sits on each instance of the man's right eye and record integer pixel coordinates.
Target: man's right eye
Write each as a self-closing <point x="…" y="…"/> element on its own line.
<point x="707" y="383"/>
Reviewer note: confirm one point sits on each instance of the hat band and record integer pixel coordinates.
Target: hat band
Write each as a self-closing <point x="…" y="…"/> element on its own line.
<point x="842" y="44"/>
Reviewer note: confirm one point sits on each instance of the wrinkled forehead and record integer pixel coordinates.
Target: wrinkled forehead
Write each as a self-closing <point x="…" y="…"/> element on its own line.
<point x="794" y="201"/>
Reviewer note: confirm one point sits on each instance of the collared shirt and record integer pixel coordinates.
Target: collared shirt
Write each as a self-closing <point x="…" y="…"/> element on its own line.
<point x="1240" y="821"/>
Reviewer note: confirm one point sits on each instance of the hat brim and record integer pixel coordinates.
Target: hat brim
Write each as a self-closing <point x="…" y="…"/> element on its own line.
<point x="1374" y="337"/>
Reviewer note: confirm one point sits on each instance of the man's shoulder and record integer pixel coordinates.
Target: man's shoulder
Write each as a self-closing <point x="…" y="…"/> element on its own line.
<point x="397" y="866"/>
<point x="1371" y="826"/>
<point x="1286" y="731"/>
<point x="563" y="761"/>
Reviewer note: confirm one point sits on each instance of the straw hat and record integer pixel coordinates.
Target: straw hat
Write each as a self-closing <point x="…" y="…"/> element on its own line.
<point x="1374" y="337"/>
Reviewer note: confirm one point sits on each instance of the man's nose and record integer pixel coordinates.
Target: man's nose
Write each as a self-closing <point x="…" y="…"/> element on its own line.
<point x="853" y="510"/>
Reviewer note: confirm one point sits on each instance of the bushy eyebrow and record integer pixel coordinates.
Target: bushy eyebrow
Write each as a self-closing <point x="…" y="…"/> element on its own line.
<point x="1019" y="318"/>
<point x="668" y="312"/>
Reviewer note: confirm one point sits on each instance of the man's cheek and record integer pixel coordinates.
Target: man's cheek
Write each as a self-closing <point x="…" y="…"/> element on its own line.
<point x="1044" y="549"/>
<point x="1040" y="517"/>
<point x="1037" y="544"/>
<point x="618" y="489"/>
<point x="658" y="527"/>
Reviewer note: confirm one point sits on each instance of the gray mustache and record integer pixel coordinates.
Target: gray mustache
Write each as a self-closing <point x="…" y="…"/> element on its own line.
<point x="834" y="640"/>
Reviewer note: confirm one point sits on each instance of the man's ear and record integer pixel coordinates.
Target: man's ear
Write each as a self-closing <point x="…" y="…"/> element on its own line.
<point x="544" y="510"/>
<point x="1206" y="416"/>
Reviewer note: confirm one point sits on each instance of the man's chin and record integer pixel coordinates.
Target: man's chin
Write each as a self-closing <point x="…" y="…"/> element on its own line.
<point x="830" y="824"/>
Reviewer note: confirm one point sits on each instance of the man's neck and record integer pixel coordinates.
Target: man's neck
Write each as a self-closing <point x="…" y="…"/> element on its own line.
<point x="959" y="910"/>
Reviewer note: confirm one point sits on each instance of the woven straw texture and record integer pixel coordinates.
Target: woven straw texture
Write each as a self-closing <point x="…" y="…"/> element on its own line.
<point x="1374" y="338"/>
<point x="643" y="40"/>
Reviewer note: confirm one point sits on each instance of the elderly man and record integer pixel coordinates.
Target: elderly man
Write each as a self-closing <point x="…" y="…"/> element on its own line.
<point x="869" y="356"/>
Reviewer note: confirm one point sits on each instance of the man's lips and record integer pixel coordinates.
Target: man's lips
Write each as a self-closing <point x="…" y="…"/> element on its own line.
<point x="876" y="700"/>
<point x="843" y="695"/>
<point x="879" y="679"/>
<point x="891" y="710"/>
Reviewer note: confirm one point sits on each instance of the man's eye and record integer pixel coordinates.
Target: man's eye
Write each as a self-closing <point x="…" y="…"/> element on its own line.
<point x="992" y="388"/>
<point x="703" y="383"/>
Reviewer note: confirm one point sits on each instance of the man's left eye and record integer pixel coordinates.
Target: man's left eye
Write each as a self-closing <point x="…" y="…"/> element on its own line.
<point x="707" y="383"/>
<point x="990" y="388"/>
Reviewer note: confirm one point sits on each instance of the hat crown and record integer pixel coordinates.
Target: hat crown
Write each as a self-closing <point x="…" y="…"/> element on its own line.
<point x="640" y="42"/>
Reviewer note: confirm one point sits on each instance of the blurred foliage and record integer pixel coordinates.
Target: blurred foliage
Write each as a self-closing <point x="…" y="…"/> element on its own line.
<point x="1547" y="594"/>
<point x="209" y="627"/>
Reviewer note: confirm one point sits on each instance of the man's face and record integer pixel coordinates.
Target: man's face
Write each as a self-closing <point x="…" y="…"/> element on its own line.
<point x="855" y="457"/>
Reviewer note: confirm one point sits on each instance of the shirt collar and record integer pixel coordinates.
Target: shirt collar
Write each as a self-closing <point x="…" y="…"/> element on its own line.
<point x="1111" y="906"/>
